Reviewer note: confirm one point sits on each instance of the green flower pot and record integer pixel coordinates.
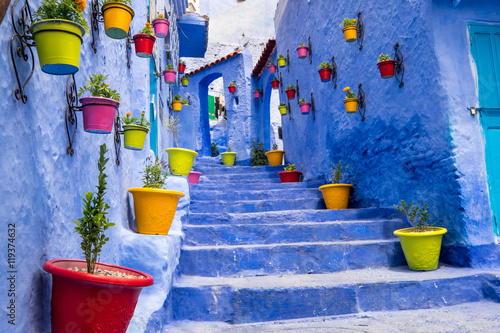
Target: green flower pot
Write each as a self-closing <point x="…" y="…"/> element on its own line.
<point x="180" y="160"/>
<point x="134" y="136"/>
<point x="228" y="158"/>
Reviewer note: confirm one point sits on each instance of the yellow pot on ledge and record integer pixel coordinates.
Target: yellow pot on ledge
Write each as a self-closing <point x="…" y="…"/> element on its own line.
<point x="275" y="157"/>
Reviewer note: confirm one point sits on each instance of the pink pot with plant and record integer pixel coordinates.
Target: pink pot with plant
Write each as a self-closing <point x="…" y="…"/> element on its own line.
<point x="169" y="75"/>
<point x="160" y="25"/>
<point x="98" y="114"/>
<point x="305" y="107"/>
<point x="302" y="51"/>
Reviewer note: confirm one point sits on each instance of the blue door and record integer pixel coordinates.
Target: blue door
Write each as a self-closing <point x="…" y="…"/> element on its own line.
<point x="485" y="49"/>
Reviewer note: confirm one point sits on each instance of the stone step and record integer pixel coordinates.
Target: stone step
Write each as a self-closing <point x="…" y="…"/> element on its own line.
<point x="292" y="232"/>
<point x="235" y="195"/>
<point x="253" y="186"/>
<point x="281" y="297"/>
<point x="240" y="177"/>
<point x="287" y="216"/>
<point x="224" y="180"/>
<point x="227" y="169"/>
<point x="249" y="206"/>
<point x="288" y="258"/>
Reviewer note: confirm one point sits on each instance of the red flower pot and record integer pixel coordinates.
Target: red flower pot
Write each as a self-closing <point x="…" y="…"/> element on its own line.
<point x="169" y="75"/>
<point x="289" y="176"/>
<point x="98" y="114"/>
<point x="275" y="84"/>
<point x="290" y="93"/>
<point x="256" y="94"/>
<point x="232" y="89"/>
<point x="92" y="303"/>
<point x="325" y="74"/>
<point x="194" y="177"/>
<point x="272" y="69"/>
<point x="182" y="68"/>
<point x="144" y="45"/>
<point x="305" y="107"/>
<point x="302" y="51"/>
<point x="386" y="68"/>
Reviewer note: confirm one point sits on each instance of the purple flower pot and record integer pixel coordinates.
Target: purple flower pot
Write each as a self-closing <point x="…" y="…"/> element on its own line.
<point x="98" y="114"/>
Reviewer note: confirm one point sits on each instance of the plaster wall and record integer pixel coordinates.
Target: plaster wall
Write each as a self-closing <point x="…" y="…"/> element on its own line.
<point x="43" y="185"/>
<point x="418" y="142"/>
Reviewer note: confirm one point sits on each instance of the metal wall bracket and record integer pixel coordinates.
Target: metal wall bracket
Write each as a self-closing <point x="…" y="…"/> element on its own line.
<point x="70" y="118"/>
<point x="281" y="83"/>
<point x="298" y="91"/>
<point x="117" y="138"/>
<point x="360" y="31"/>
<point x="288" y="60"/>
<point x="310" y="50"/>
<point x="313" y="106"/>
<point x="399" y="67"/>
<point x="334" y="73"/>
<point x="95" y="18"/>
<point x="128" y="46"/>
<point x="361" y="102"/>
<point x="261" y="94"/>
<point x="24" y="41"/>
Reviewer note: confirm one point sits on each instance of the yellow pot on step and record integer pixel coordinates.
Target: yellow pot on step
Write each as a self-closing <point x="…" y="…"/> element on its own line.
<point x="351" y="105"/>
<point x="228" y="158"/>
<point x="275" y="157"/>
<point x="180" y="160"/>
<point x="336" y="195"/>
<point x="350" y="33"/>
<point x="117" y="18"/>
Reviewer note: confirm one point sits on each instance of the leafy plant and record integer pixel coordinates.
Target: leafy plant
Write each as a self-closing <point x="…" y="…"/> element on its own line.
<point x="290" y="87"/>
<point x="417" y="215"/>
<point x="173" y="127"/>
<point x="153" y="175"/>
<point x="148" y="29"/>
<point x="337" y="172"/>
<point x="215" y="149"/>
<point x="185" y="101"/>
<point x="71" y="10"/>
<point x="325" y="64"/>
<point x="159" y="16"/>
<point x="232" y="84"/>
<point x="127" y="120"/>
<point x="182" y="62"/>
<point x="98" y="88"/>
<point x="127" y="2"/>
<point x="185" y="77"/>
<point x="170" y="66"/>
<point x="229" y="150"/>
<point x="275" y="146"/>
<point x="275" y="79"/>
<point x="301" y="44"/>
<point x="290" y="167"/>
<point x="349" y="93"/>
<point x="271" y="63"/>
<point x="280" y="56"/>
<point x="94" y="222"/>
<point x="258" y="154"/>
<point x="282" y="105"/>
<point x="257" y="90"/>
<point x="177" y="97"/>
<point x="384" y="57"/>
<point x="348" y="22"/>
<point x="302" y="100"/>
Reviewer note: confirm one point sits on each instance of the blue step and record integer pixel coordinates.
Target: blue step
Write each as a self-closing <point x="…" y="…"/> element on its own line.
<point x="228" y="179"/>
<point x="254" y="186"/>
<point x="291" y="232"/>
<point x="249" y="206"/>
<point x="224" y="169"/>
<point x="292" y="193"/>
<point x="237" y="177"/>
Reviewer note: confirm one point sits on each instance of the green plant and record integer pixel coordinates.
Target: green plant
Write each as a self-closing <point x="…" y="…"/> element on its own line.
<point x="258" y="154"/>
<point x="302" y="100"/>
<point x="229" y="150"/>
<point x="148" y="29"/>
<point x="94" y="222"/>
<point x="153" y="175"/>
<point x="280" y="56"/>
<point x="127" y="2"/>
<point x="290" y="167"/>
<point x="349" y="93"/>
<point x="177" y="97"/>
<point x="215" y="149"/>
<point x="275" y="146"/>
<point x="257" y="90"/>
<point x="185" y="77"/>
<point x="417" y="215"/>
<point x="275" y="79"/>
<point x="170" y="66"/>
<point x="301" y="44"/>
<point x="271" y="63"/>
<point x="290" y="87"/>
<point x="159" y="16"/>
<point x="384" y="57"/>
<point x="325" y="64"/>
<point x="71" y="10"/>
<point x="173" y="127"/>
<point x="337" y="172"/>
<point x="127" y="120"/>
<point x="182" y="62"/>
<point x="185" y="101"/>
<point x="98" y="88"/>
<point x="282" y="105"/>
<point x="348" y="22"/>
<point x="232" y="84"/>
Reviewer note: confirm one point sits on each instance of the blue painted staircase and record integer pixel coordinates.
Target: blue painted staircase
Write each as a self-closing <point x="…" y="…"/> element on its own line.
<point x="256" y="250"/>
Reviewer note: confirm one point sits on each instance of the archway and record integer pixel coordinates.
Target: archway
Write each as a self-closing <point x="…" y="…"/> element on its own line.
<point x="203" y="89"/>
<point x="271" y="117"/>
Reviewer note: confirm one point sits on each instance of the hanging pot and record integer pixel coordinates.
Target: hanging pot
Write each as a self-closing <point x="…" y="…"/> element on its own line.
<point x="144" y="45"/>
<point x="117" y="18"/>
<point x="302" y="51"/>
<point x="325" y="74"/>
<point x="185" y="82"/>
<point x="232" y="89"/>
<point x="161" y="27"/>
<point x="169" y="75"/>
<point x="134" y="136"/>
<point x="272" y="69"/>
<point x="305" y="107"/>
<point x="282" y="62"/>
<point x="181" y="68"/>
<point x="350" y="33"/>
<point x="386" y="68"/>
<point x="180" y="161"/>
<point x="351" y="105"/>
<point x="256" y="94"/>
<point x="98" y="114"/>
<point x="283" y="110"/>
<point x="275" y="84"/>
<point x="290" y="93"/>
<point x="176" y="105"/>
<point x="289" y="176"/>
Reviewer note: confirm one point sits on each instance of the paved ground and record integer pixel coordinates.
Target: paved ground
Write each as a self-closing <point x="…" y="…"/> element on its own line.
<point x="471" y="317"/>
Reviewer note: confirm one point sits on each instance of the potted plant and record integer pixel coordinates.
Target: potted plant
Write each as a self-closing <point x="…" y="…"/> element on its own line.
<point x="134" y="131"/>
<point x="177" y="103"/>
<point x="144" y="41"/>
<point x="386" y="66"/>
<point x="349" y="29"/>
<point x="184" y="101"/>
<point x="325" y="71"/>
<point x="232" y="87"/>
<point x="305" y="106"/>
<point x="169" y="74"/>
<point x="275" y="156"/>
<point x="81" y="286"/>
<point x="180" y="160"/>
<point x="258" y="156"/>
<point x="185" y="80"/>
<point x="421" y="243"/>
<point x="283" y="109"/>
<point x="256" y="93"/>
<point x="194" y="177"/>
<point x="275" y="83"/>
<point x="350" y="101"/>
<point x="336" y="195"/>
<point x="58" y="27"/>
<point x="229" y="157"/>
<point x="99" y="110"/>
<point x="160" y="24"/>
<point x="182" y="67"/>
<point x="290" y="91"/>
<point x="281" y="60"/>
<point x="215" y="149"/>
<point x="302" y="50"/>
<point x="117" y="16"/>
<point x="154" y="206"/>
<point x="272" y="67"/>
<point x="290" y="175"/>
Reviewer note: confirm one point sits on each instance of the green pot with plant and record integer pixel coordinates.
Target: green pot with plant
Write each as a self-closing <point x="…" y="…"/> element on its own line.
<point x="134" y="131"/>
<point x="422" y="242"/>
<point x="177" y="103"/>
<point x="117" y="15"/>
<point x="283" y="109"/>
<point x="290" y="175"/>
<point x="232" y="87"/>
<point x="349" y="29"/>
<point x="350" y="101"/>
<point x="336" y="195"/>
<point x="185" y="80"/>
<point x="325" y="71"/>
<point x="228" y="157"/>
<point x="81" y="287"/>
<point x="386" y="66"/>
<point x="180" y="160"/>
<point x="281" y="61"/>
<point x="169" y="74"/>
<point x="258" y="155"/>
<point x="275" y="156"/>
<point x="154" y="206"/>
<point x="302" y="50"/>
<point x="144" y="41"/>
<point x="57" y="28"/>
<point x="99" y="111"/>
<point x="290" y="91"/>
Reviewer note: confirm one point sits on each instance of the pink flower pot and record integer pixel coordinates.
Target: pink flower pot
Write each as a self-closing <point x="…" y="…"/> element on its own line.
<point x="272" y="69"/>
<point x="161" y="27"/>
<point x="289" y="176"/>
<point x="305" y="107"/>
<point x="98" y="114"/>
<point x="169" y="75"/>
<point x="144" y="45"/>
<point x="302" y="51"/>
<point x="256" y="94"/>
<point x="194" y="177"/>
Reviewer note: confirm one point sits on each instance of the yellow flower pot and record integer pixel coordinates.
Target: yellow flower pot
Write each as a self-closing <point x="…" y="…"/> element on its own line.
<point x="350" y="33"/>
<point x="351" y="105"/>
<point x="336" y="195"/>
<point x="421" y="249"/>
<point x="154" y="209"/>
<point x="117" y="18"/>
<point x="180" y="160"/>
<point x="228" y="158"/>
<point x="281" y="62"/>
<point x="177" y="105"/>
<point x="283" y="110"/>
<point x="275" y="157"/>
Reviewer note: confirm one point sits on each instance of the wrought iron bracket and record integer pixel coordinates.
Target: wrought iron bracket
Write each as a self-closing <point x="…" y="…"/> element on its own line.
<point x="24" y="41"/>
<point x="313" y="106"/>
<point x="281" y="83"/>
<point x="70" y="118"/>
<point x="117" y="138"/>
<point x="334" y="73"/>
<point x="399" y="67"/>
<point x="95" y="18"/>
<point x="361" y="102"/>
<point x="128" y="45"/>
<point x="261" y="94"/>
<point x="360" y="31"/>
<point x="298" y="91"/>
<point x="288" y="60"/>
<point x="310" y="50"/>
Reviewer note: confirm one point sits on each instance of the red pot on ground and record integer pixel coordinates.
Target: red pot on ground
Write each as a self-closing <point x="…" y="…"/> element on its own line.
<point x="182" y="68"/>
<point x="289" y="176"/>
<point x="98" y="114"/>
<point x="194" y="177"/>
<point x="272" y="69"/>
<point x="386" y="68"/>
<point x="305" y="107"/>
<point x="302" y="51"/>
<point x="92" y="303"/>
<point x="290" y="93"/>
<point x="144" y="45"/>
<point x="275" y="84"/>
<point x="232" y="89"/>
<point x="325" y="74"/>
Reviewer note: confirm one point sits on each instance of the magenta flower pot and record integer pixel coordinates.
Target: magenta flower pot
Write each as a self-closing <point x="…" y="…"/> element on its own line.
<point x="305" y="107"/>
<point x="169" y="75"/>
<point x="256" y="94"/>
<point x="272" y="69"/>
<point x="98" y="114"/>
<point x="194" y="177"/>
<point x="302" y="51"/>
<point x="161" y="27"/>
